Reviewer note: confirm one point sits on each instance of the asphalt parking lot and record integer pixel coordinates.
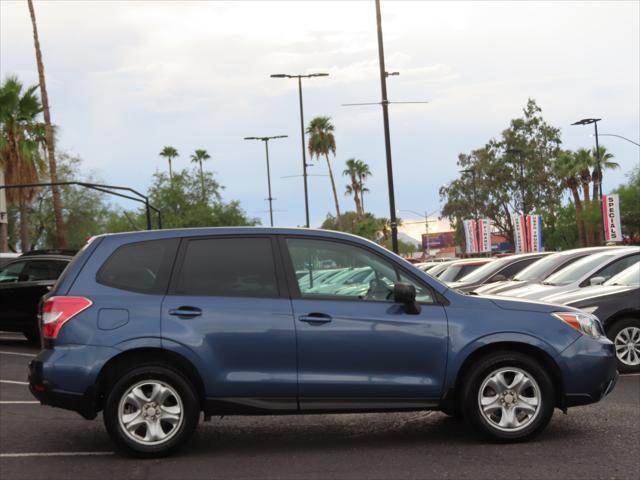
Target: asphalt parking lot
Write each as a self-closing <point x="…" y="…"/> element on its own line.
<point x="597" y="441"/>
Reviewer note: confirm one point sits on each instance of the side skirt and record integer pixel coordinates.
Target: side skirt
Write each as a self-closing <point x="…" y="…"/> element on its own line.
<point x="286" y="406"/>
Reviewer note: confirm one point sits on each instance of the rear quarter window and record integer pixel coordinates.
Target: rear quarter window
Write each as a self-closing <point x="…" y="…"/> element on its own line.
<point x="142" y="267"/>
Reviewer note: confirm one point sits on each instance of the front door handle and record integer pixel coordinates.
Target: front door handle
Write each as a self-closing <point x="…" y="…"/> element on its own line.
<point x="185" y="312"/>
<point x="315" y="318"/>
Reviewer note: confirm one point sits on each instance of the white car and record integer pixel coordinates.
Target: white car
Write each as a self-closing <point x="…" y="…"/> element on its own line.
<point x="592" y="270"/>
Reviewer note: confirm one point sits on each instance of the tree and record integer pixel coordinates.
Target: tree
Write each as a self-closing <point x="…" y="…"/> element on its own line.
<point x="521" y="161"/>
<point x="198" y="157"/>
<point x="583" y="161"/>
<point x="363" y="172"/>
<point x="566" y="169"/>
<point x="354" y="187"/>
<point x="182" y="205"/>
<point x="60" y="240"/>
<point x="630" y="204"/>
<point x="169" y="153"/>
<point x="323" y="142"/>
<point x="19" y="148"/>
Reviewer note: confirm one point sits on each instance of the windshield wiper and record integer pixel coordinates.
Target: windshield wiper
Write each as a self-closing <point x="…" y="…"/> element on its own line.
<point x="549" y="283"/>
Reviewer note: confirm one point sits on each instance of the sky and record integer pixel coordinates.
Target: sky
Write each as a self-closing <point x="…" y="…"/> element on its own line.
<point x="126" y="78"/>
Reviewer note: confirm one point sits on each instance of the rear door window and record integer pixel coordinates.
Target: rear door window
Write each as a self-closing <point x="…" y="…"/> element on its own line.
<point x="227" y="267"/>
<point x="140" y="267"/>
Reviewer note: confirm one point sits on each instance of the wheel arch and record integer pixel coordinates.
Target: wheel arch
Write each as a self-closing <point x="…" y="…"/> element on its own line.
<point x="111" y="371"/>
<point x="452" y="398"/>
<point x="621" y="315"/>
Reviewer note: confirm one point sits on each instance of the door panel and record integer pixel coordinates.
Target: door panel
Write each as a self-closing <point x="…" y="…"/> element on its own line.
<point x="355" y="346"/>
<point x="370" y="349"/>
<point x="229" y="311"/>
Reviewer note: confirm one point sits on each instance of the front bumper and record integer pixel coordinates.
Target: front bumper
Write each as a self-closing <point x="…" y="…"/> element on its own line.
<point x="591" y="371"/>
<point x="83" y="403"/>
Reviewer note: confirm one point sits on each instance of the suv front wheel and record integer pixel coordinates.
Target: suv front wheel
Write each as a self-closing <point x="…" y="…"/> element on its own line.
<point x="508" y="396"/>
<point x="151" y="411"/>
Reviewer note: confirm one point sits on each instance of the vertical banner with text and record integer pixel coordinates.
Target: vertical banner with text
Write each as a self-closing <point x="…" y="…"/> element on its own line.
<point x="534" y="231"/>
<point x="518" y="233"/>
<point x="484" y="235"/>
<point x="611" y="218"/>
<point x="470" y="236"/>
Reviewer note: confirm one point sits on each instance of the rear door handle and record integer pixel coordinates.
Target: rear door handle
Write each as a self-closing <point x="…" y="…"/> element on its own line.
<point x="185" y="312"/>
<point x="315" y="318"/>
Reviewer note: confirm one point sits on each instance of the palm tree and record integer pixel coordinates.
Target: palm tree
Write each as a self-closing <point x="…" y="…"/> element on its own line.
<point x="49" y="136"/>
<point x="169" y="153"/>
<point x="583" y="162"/>
<point x="322" y="142"/>
<point x="354" y="187"/>
<point x="566" y="168"/>
<point x="19" y="147"/>
<point x="363" y="173"/>
<point x="198" y="157"/>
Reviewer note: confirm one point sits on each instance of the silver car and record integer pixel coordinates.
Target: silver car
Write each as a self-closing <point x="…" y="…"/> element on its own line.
<point x="592" y="270"/>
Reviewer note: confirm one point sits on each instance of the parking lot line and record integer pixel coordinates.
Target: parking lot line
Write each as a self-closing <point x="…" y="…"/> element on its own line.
<point x="17" y="402"/>
<point x="53" y="454"/>
<point x="13" y="382"/>
<point x="2" y="352"/>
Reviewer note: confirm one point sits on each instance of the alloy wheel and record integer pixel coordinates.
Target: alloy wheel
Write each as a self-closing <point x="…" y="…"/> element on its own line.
<point x="509" y="399"/>
<point x="150" y="412"/>
<point x="627" y="343"/>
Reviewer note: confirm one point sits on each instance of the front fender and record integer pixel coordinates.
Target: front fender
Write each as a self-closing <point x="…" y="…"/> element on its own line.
<point x="458" y="358"/>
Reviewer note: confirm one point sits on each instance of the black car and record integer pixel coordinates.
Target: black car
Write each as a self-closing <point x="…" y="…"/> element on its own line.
<point x="617" y="304"/>
<point x="23" y="282"/>
<point x="499" y="270"/>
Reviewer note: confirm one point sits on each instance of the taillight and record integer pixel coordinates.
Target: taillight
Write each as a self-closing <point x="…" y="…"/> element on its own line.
<point x="56" y="311"/>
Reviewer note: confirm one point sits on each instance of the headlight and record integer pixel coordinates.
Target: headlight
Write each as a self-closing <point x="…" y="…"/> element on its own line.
<point x="590" y="309"/>
<point x="582" y="321"/>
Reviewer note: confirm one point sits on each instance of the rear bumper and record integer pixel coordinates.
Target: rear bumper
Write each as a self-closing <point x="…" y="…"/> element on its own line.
<point x="83" y="403"/>
<point x="591" y="371"/>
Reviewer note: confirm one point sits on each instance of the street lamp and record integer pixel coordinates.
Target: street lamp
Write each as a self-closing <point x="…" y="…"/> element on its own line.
<point x="619" y="136"/>
<point x="266" y="149"/>
<point x="304" y="151"/>
<point x="588" y="121"/>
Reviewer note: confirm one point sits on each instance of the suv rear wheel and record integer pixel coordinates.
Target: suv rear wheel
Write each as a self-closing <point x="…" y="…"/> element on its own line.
<point x="151" y="411"/>
<point x="508" y="396"/>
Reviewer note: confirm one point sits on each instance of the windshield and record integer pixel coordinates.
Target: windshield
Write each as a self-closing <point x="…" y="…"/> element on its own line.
<point x="629" y="277"/>
<point x="485" y="270"/>
<point x="455" y="272"/>
<point x="538" y="269"/>
<point x="577" y="270"/>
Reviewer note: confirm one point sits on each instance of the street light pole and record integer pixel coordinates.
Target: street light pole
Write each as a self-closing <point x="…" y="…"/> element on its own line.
<point x="523" y="201"/>
<point x="387" y="139"/>
<point x="304" y="148"/>
<point x="266" y="149"/>
<point x="619" y="136"/>
<point x="588" y="121"/>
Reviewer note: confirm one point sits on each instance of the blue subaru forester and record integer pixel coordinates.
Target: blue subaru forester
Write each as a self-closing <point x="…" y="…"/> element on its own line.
<point x="153" y="328"/>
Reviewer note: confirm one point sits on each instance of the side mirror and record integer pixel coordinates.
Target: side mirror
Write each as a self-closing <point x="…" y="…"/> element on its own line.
<point x="406" y="294"/>
<point x="597" y="280"/>
<point x="498" y="278"/>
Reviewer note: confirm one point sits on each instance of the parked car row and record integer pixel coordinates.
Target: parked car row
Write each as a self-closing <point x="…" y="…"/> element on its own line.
<point x="599" y="280"/>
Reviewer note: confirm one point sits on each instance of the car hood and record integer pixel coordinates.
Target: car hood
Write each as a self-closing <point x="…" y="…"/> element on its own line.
<point x="523" y="305"/>
<point x="535" y="291"/>
<point x="588" y="292"/>
<point x="489" y="288"/>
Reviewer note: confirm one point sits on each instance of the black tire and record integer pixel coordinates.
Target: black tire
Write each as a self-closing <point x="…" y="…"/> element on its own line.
<point x="164" y="375"/>
<point x="612" y="333"/>
<point x="481" y="371"/>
